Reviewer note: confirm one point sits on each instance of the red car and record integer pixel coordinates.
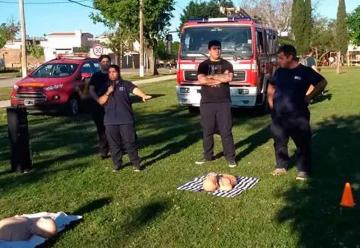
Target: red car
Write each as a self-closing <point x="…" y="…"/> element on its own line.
<point x="58" y="84"/>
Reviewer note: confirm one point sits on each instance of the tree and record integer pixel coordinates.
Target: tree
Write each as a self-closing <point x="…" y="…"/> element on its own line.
<point x="276" y="13"/>
<point x="323" y="37"/>
<point x="35" y="50"/>
<point x="8" y="32"/>
<point x="353" y="21"/>
<point x="123" y="15"/>
<point x="342" y="36"/>
<point x="202" y="9"/>
<point x="308" y="24"/>
<point x="298" y="22"/>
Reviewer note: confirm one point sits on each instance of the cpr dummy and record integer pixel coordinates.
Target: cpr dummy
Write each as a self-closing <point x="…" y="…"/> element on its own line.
<point x="19" y="228"/>
<point x="222" y="182"/>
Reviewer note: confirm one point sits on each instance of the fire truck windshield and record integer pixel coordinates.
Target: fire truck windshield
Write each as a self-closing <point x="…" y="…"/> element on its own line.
<point x="235" y="41"/>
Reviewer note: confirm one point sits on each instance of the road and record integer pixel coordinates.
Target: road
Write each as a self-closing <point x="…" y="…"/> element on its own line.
<point x="8" y="82"/>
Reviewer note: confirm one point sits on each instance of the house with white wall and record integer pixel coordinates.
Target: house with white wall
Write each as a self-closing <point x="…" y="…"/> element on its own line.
<point x="64" y="43"/>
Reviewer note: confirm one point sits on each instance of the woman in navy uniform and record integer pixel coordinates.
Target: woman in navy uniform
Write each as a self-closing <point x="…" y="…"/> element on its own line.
<point x="119" y="118"/>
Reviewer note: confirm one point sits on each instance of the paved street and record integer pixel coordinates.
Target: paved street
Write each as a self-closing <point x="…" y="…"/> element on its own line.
<point x="8" y="82"/>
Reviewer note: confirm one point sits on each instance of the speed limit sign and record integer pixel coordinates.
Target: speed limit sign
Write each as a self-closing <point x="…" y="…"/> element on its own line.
<point x="98" y="50"/>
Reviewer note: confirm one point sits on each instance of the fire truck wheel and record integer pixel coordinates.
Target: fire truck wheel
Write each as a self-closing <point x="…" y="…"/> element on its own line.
<point x="73" y="106"/>
<point x="193" y="110"/>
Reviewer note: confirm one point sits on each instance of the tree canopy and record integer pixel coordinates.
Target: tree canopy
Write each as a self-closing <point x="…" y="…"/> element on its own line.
<point x="354" y="26"/>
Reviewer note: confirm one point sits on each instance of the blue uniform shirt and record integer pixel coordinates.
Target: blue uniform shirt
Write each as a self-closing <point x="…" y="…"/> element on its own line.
<point x="118" y="109"/>
<point x="291" y="86"/>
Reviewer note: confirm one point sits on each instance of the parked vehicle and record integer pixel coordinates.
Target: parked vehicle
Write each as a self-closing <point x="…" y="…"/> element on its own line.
<point x="2" y="65"/>
<point x="249" y="45"/>
<point x="58" y="84"/>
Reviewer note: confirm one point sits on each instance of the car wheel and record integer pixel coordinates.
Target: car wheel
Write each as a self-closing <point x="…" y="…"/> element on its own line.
<point x="73" y="106"/>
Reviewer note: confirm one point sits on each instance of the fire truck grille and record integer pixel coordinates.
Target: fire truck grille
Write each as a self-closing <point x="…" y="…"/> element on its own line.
<point x="190" y="75"/>
<point x="239" y="76"/>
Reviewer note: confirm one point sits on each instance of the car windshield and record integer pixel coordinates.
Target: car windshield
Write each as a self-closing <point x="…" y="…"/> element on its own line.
<point x="234" y="41"/>
<point x="54" y="70"/>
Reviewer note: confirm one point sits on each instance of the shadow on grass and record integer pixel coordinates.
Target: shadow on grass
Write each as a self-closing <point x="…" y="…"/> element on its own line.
<point x="322" y="97"/>
<point x="143" y="216"/>
<point x="87" y="208"/>
<point x="312" y="209"/>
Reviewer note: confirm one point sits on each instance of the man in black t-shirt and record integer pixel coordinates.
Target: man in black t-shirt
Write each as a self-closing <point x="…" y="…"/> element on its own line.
<point x="119" y="118"/>
<point x="288" y="100"/>
<point x="97" y="87"/>
<point x="214" y="75"/>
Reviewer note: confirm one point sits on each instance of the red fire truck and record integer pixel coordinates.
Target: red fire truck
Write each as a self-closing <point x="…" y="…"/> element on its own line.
<point x="249" y="45"/>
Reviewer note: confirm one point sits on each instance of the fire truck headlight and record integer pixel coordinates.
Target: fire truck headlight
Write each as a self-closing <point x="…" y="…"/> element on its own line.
<point x="184" y="90"/>
<point x="15" y="87"/>
<point x="243" y="92"/>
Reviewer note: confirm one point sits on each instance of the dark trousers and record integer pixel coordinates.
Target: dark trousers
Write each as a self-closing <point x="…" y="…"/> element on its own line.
<point x="217" y="117"/>
<point x="297" y="127"/>
<point x="98" y="117"/>
<point x="122" y="135"/>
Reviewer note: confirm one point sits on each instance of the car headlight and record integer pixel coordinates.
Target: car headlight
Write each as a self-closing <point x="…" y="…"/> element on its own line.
<point x="16" y="87"/>
<point x="54" y="87"/>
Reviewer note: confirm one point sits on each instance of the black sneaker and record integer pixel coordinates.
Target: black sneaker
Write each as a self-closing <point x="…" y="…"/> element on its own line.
<point x="103" y="157"/>
<point x="203" y="161"/>
<point x="232" y="164"/>
<point x="302" y="176"/>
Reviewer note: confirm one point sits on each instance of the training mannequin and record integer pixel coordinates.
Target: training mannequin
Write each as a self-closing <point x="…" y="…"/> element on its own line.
<point x="20" y="228"/>
<point x="215" y="181"/>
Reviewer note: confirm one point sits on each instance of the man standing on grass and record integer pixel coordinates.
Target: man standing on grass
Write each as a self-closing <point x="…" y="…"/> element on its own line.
<point x="214" y="75"/>
<point x="288" y="101"/>
<point x="97" y="87"/>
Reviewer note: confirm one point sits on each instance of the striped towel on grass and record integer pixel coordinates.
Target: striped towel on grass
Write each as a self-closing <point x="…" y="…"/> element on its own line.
<point x="243" y="183"/>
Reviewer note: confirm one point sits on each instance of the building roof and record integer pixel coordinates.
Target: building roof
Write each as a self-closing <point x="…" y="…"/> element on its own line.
<point x="62" y="33"/>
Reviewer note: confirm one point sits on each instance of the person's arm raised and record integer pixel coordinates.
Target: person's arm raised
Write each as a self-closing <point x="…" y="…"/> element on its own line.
<point x="138" y="92"/>
<point x="102" y="100"/>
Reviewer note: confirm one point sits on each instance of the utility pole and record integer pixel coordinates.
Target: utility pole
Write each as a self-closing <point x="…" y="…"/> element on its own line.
<point x="23" y="39"/>
<point x="141" y="28"/>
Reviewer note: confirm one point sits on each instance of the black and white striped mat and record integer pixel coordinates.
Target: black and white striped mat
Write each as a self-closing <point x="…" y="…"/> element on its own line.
<point x="243" y="183"/>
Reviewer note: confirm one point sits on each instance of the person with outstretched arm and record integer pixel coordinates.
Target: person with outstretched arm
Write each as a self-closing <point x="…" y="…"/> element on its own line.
<point x="119" y="118"/>
<point x="288" y="101"/>
<point x="214" y="75"/>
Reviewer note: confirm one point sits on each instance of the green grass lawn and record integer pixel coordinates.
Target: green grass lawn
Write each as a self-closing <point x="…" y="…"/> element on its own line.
<point x="5" y="93"/>
<point x="145" y="210"/>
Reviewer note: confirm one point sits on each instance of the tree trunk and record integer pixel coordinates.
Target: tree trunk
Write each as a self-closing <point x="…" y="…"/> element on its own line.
<point x="338" y="62"/>
<point x="121" y="55"/>
<point x="152" y="61"/>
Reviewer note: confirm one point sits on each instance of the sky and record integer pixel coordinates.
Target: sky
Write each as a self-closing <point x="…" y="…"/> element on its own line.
<point x="64" y="17"/>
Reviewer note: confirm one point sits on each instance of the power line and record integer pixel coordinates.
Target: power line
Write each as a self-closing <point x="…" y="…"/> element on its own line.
<point x="46" y="3"/>
<point x="81" y="4"/>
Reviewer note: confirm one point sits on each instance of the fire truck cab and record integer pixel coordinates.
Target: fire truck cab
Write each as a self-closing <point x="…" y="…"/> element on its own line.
<point x="246" y="43"/>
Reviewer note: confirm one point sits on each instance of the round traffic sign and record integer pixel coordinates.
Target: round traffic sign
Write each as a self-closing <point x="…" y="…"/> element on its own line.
<point x="98" y="50"/>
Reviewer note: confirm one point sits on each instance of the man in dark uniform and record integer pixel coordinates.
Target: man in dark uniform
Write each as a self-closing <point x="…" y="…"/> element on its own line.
<point x="119" y="118"/>
<point x="97" y="87"/>
<point x="214" y="75"/>
<point x="288" y="100"/>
